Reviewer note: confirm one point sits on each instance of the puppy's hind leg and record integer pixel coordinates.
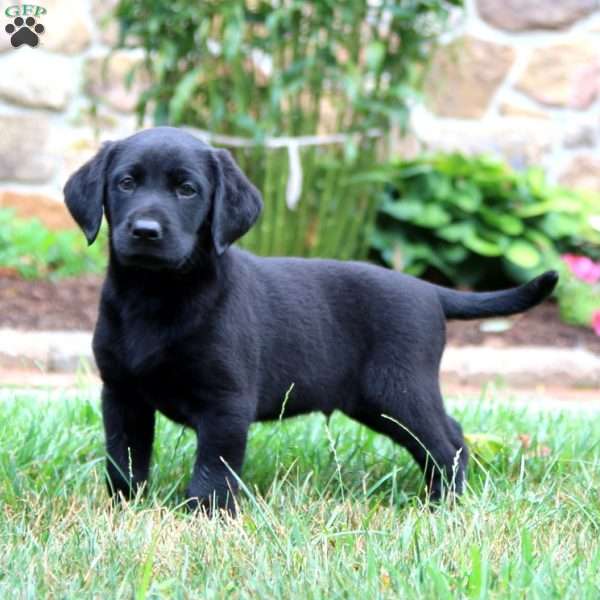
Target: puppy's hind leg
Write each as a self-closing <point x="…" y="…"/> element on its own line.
<point x="414" y="417"/>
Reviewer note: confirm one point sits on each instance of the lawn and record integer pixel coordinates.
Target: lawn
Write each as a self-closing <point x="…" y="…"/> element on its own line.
<point x="328" y="511"/>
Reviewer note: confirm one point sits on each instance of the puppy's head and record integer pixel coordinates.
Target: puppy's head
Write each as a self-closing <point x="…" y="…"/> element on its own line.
<point x="162" y="190"/>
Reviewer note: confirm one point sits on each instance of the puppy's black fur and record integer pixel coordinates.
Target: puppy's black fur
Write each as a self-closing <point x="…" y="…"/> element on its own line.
<point x="213" y="336"/>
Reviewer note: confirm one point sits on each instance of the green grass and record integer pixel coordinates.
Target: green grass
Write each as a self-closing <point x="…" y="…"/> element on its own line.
<point x="314" y="523"/>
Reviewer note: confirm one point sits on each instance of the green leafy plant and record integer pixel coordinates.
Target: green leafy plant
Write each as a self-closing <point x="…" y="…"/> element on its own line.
<point x="34" y="252"/>
<point x="474" y="220"/>
<point x="258" y="69"/>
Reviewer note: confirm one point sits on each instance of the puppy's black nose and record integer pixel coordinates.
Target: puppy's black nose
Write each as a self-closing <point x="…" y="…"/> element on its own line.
<point x="146" y="229"/>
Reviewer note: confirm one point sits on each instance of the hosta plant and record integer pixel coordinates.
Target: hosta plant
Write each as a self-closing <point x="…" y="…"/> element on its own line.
<point x="475" y="221"/>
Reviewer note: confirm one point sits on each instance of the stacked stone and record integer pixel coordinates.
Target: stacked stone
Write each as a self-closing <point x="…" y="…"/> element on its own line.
<point x="520" y="78"/>
<point x="58" y="101"/>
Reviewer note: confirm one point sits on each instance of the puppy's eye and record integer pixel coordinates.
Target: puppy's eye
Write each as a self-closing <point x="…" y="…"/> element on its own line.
<point x="186" y="190"/>
<point x="127" y="184"/>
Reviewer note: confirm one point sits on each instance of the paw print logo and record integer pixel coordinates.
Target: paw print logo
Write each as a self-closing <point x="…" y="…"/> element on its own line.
<point x="24" y="31"/>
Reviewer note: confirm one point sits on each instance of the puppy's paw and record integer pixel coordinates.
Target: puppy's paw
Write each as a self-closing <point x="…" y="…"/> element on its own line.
<point x="121" y="490"/>
<point x="211" y="506"/>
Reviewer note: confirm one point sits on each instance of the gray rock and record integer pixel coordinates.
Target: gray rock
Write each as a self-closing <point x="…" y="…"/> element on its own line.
<point x="581" y="135"/>
<point x="105" y="79"/>
<point x="521" y="142"/>
<point x="37" y="79"/>
<point x="582" y="173"/>
<point x="25" y="148"/>
<point x="556" y="75"/>
<point x="465" y="75"/>
<point x="519" y="15"/>
<point x="102" y="11"/>
<point x="67" y="26"/>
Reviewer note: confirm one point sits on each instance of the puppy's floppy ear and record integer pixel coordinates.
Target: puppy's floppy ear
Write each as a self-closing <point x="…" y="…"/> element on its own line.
<point x="236" y="202"/>
<point x="84" y="193"/>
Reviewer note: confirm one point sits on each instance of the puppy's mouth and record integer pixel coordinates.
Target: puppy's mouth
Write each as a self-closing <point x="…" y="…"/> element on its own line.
<point x="165" y="256"/>
<point x="152" y="262"/>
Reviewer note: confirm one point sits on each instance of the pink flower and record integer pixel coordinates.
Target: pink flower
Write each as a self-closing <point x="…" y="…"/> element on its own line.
<point x="596" y="322"/>
<point x="583" y="268"/>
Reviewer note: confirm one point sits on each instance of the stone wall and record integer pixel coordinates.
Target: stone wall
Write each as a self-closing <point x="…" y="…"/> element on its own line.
<point x="58" y="102"/>
<point x="520" y="78"/>
<point x="516" y="77"/>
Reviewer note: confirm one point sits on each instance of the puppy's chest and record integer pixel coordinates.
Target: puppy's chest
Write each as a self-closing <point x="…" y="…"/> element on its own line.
<point x="144" y="349"/>
<point x="151" y="355"/>
<point x="169" y="374"/>
<point x="147" y="350"/>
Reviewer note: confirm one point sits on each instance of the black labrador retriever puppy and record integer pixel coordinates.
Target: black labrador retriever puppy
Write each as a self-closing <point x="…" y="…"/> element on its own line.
<point x="213" y="337"/>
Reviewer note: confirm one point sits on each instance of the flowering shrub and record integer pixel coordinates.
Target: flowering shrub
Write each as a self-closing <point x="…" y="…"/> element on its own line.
<point x="596" y="322"/>
<point x="579" y="291"/>
<point x="583" y="268"/>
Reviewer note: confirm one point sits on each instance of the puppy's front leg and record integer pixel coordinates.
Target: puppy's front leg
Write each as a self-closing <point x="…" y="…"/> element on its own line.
<point x="129" y="430"/>
<point x="221" y="447"/>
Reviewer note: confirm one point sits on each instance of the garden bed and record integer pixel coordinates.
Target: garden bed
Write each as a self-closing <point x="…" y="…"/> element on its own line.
<point x="71" y="304"/>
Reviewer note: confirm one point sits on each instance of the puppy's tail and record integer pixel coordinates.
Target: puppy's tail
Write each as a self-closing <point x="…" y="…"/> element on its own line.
<point x="471" y="305"/>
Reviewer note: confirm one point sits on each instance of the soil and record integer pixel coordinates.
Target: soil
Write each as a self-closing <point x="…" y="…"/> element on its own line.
<point x="71" y="304"/>
<point x="40" y="305"/>
<point x="540" y="326"/>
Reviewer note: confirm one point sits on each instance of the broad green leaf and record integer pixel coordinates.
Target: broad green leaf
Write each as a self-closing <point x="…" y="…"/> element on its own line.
<point x="563" y="203"/>
<point x="543" y="242"/>
<point x="557" y="225"/>
<point x="467" y="196"/>
<point x="405" y="209"/>
<point x="437" y="186"/>
<point x="455" y="232"/>
<point x="481" y="246"/>
<point x="465" y="201"/>
<point x="523" y="254"/>
<point x="453" y="253"/>
<point x="504" y="222"/>
<point x="432" y="216"/>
